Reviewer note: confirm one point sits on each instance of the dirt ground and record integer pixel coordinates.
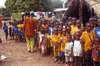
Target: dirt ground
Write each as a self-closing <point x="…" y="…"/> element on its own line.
<point x="18" y="56"/>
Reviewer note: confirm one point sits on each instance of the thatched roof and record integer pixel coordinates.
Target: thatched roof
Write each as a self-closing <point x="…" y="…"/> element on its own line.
<point x="96" y="5"/>
<point x="80" y="9"/>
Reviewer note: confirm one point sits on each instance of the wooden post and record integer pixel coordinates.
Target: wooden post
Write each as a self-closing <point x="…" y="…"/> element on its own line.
<point x="81" y="10"/>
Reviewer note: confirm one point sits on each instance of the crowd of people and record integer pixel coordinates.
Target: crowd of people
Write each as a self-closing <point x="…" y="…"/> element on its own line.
<point x="68" y="42"/>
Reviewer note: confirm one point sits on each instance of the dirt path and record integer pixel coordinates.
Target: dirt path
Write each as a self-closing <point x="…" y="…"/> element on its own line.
<point x="18" y="56"/>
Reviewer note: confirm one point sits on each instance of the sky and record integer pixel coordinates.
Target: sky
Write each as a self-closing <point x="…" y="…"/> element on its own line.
<point x="63" y="0"/>
<point x="2" y="3"/>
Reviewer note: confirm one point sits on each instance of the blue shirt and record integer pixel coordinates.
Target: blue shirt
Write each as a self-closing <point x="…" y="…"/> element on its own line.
<point x="97" y="32"/>
<point x="15" y="29"/>
<point x="5" y="28"/>
<point x="50" y="31"/>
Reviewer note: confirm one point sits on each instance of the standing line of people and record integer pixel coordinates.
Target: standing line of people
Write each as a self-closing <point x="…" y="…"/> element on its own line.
<point x="69" y="43"/>
<point x="8" y="30"/>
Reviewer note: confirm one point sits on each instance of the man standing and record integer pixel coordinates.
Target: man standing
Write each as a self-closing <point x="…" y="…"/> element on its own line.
<point x="88" y="40"/>
<point x="29" y="30"/>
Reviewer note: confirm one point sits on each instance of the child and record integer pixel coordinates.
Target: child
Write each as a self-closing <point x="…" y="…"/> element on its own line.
<point x="68" y="50"/>
<point x="11" y="30"/>
<point x="77" y="49"/>
<point x="79" y="25"/>
<point x="48" y="46"/>
<point x="5" y="29"/>
<point x="55" y="42"/>
<point x="96" y="46"/>
<point x="43" y="45"/>
<point x="96" y="52"/>
<point x="40" y="39"/>
<point x="74" y="27"/>
<point x="16" y="31"/>
<point x="20" y="32"/>
<point x="50" y="29"/>
<point x="68" y="29"/>
<point x="60" y="53"/>
<point x="62" y="47"/>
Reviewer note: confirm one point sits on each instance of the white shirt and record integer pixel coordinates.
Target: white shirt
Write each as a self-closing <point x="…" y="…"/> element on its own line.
<point x="77" y="49"/>
<point x="68" y="48"/>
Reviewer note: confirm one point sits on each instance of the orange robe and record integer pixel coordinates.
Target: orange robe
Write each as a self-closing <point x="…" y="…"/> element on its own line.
<point x="30" y="26"/>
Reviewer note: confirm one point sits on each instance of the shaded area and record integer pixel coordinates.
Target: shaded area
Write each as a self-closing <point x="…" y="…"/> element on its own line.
<point x="74" y="10"/>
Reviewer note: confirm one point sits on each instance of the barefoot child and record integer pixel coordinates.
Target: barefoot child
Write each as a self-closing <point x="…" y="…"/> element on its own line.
<point x="68" y="50"/>
<point x="43" y="45"/>
<point x="5" y="29"/>
<point x="77" y="49"/>
<point x="55" y="42"/>
<point x="62" y="47"/>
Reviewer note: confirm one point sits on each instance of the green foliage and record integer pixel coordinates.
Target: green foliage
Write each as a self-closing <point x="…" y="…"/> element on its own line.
<point x="31" y="5"/>
<point x="4" y="12"/>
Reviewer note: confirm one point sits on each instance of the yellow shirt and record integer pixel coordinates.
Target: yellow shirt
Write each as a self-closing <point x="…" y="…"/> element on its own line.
<point x="55" y="39"/>
<point x="64" y="40"/>
<point x="49" y="44"/>
<point x="87" y="39"/>
<point x="74" y="29"/>
<point x="20" y="25"/>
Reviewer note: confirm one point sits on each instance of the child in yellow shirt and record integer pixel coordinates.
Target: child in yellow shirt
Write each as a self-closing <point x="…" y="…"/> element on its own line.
<point x="74" y="27"/>
<point x="62" y="47"/>
<point x="55" y="43"/>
